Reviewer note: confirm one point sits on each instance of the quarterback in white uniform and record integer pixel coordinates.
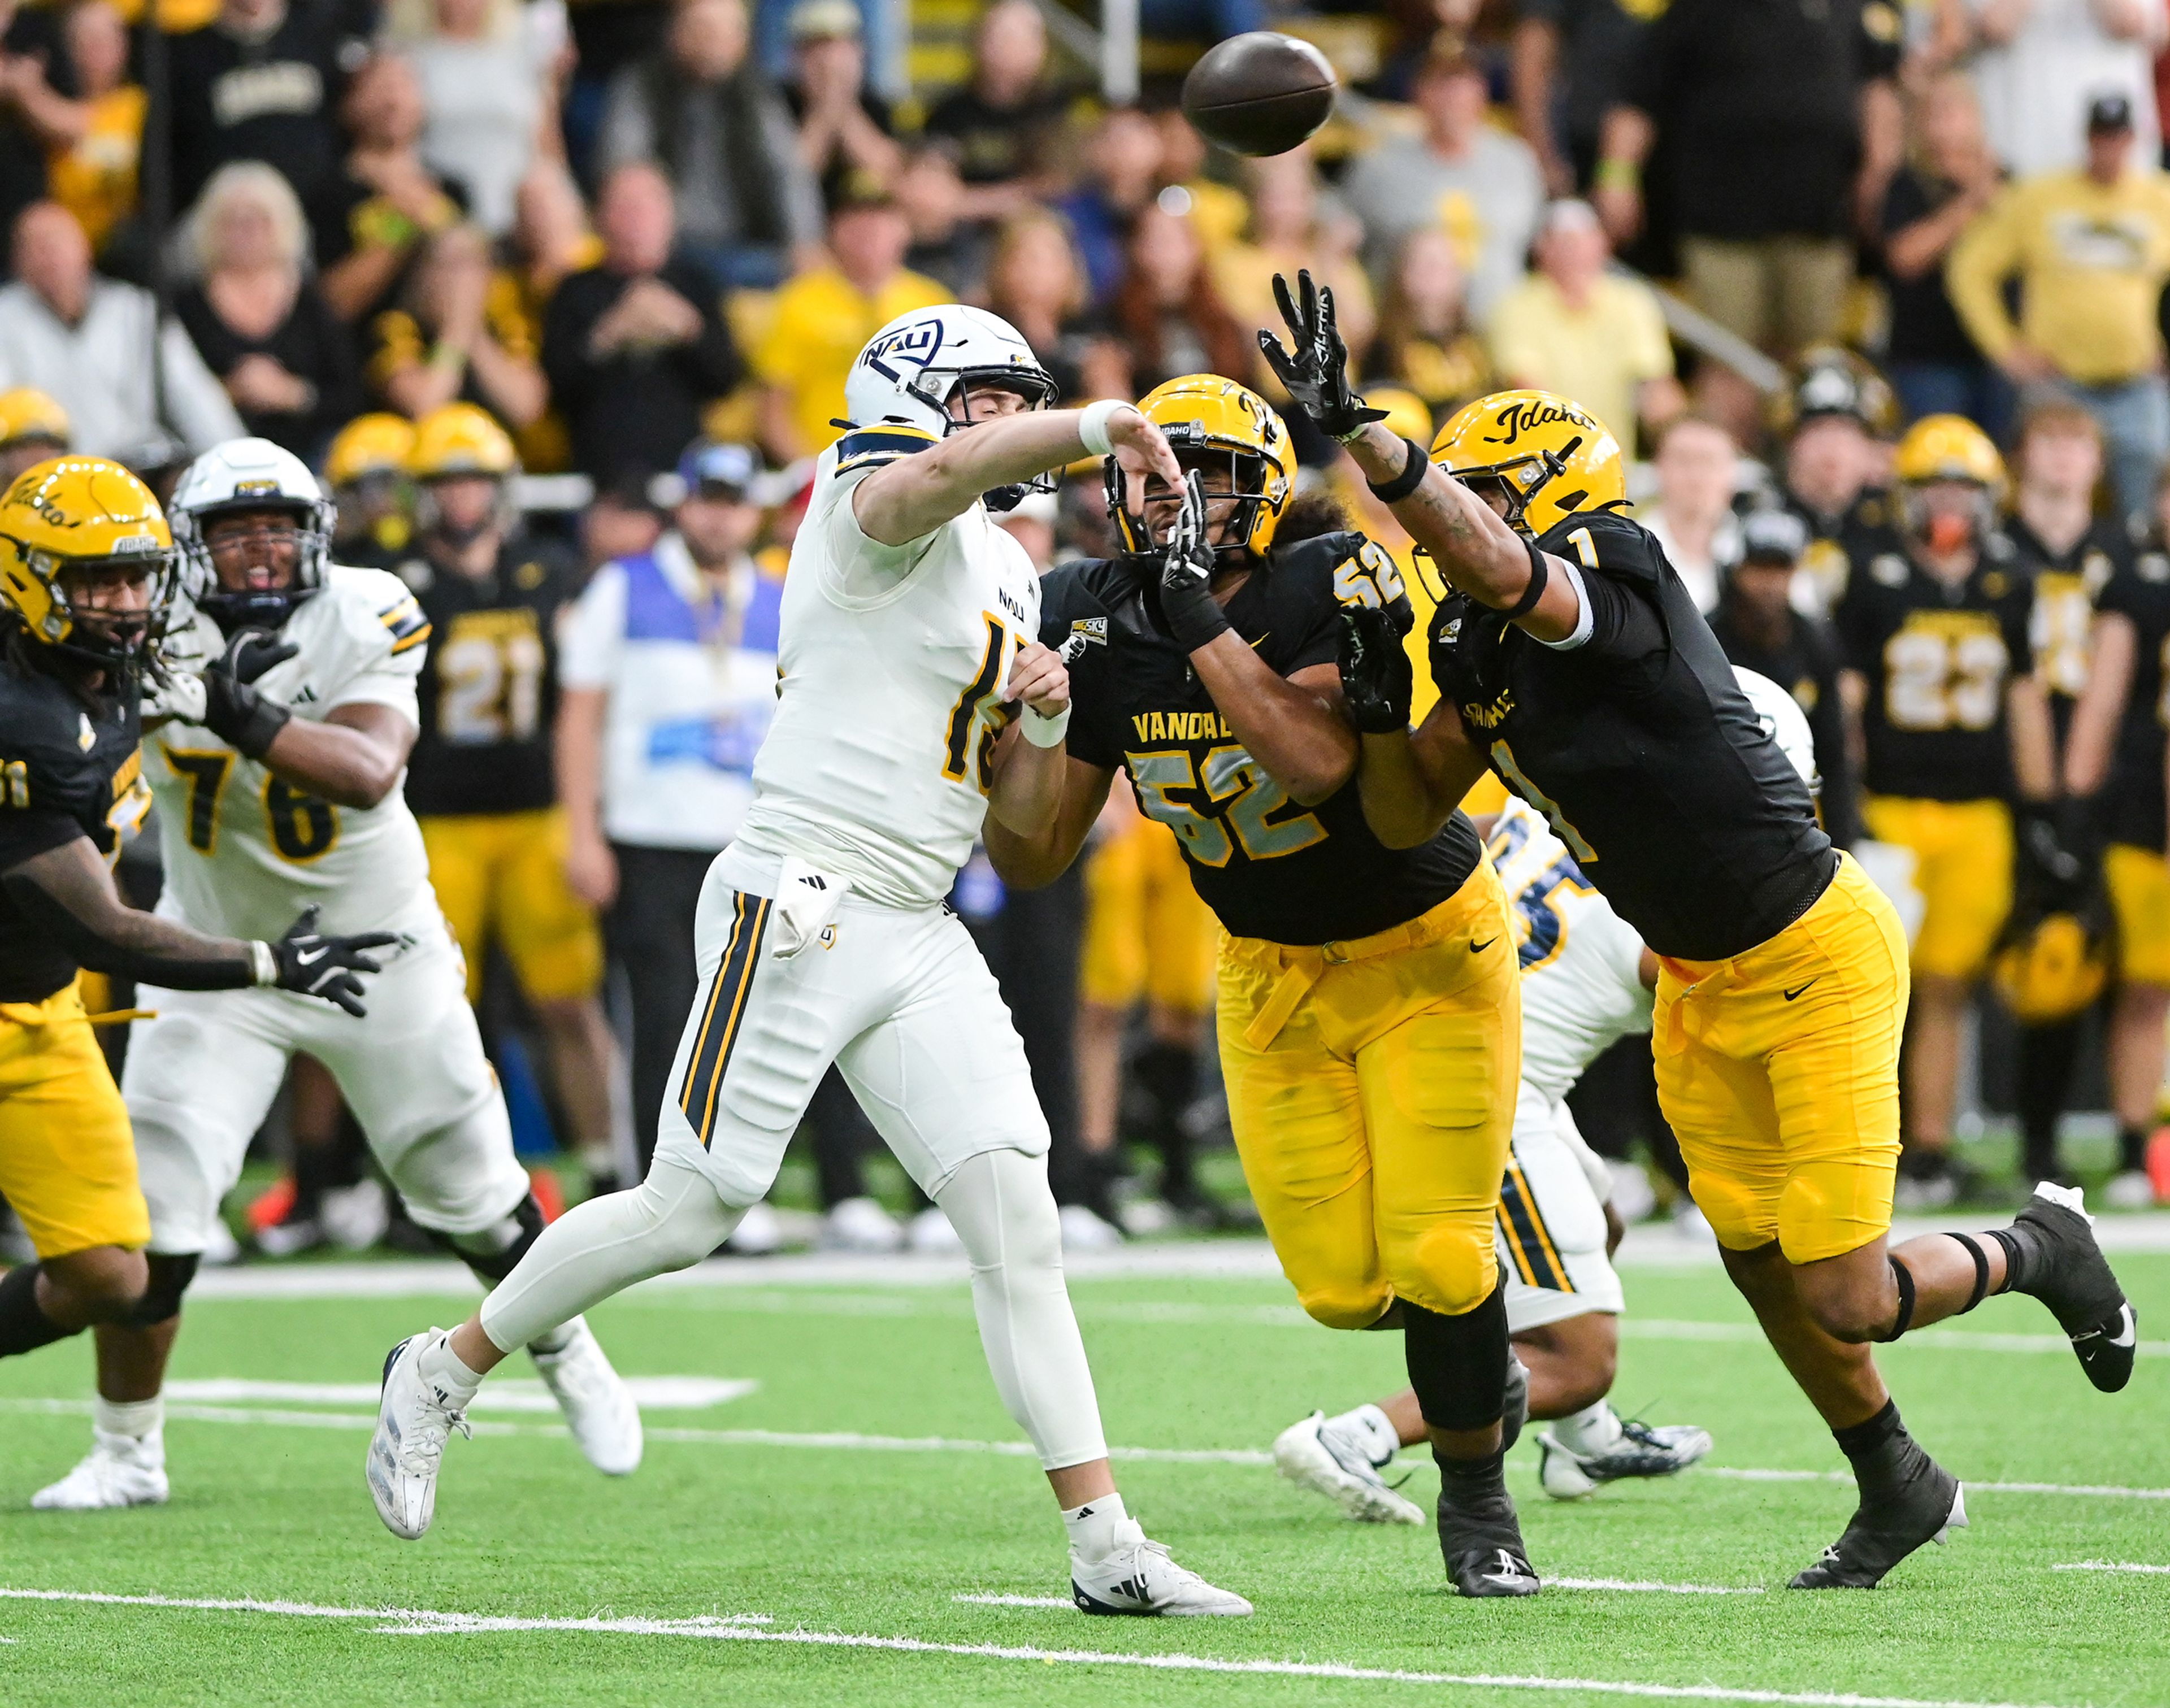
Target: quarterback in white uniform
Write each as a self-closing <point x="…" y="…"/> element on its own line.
<point x="276" y="770"/>
<point x="1587" y="981"/>
<point x="912" y="700"/>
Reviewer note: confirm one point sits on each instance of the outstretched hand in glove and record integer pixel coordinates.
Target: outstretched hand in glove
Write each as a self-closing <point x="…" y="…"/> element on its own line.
<point x="315" y="965"/>
<point x="1314" y="371"/>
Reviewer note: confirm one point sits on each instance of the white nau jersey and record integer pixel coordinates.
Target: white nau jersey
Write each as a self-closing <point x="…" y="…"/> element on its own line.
<point x="891" y="661"/>
<point x="1582" y="983"/>
<point x="244" y="852"/>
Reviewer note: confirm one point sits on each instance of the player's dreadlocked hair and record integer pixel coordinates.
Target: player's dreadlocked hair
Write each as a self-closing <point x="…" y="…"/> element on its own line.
<point x="1310" y="514"/>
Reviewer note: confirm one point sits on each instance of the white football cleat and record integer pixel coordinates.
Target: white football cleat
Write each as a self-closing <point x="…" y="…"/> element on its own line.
<point x="860" y="1225"/>
<point x="599" y="1408"/>
<point x="1315" y="1456"/>
<point x="2130" y="1190"/>
<point x="118" y="1472"/>
<point x="930" y="1234"/>
<point x="413" y="1419"/>
<point x="759" y="1233"/>
<point x="1084" y="1231"/>
<point x="1138" y="1577"/>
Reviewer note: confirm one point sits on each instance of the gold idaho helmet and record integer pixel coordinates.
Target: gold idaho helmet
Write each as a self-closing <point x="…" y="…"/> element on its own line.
<point x="460" y="439"/>
<point x="1407" y="414"/>
<point x="368" y="445"/>
<point x="2055" y="971"/>
<point x="83" y="510"/>
<point x="28" y="416"/>
<point x="1948" y="447"/>
<point x="1203" y="415"/>
<point x="1551" y="456"/>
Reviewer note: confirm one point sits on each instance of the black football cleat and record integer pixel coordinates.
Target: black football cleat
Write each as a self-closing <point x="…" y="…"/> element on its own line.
<point x="1907" y="1499"/>
<point x="1479" y="1536"/>
<point x="2067" y="1272"/>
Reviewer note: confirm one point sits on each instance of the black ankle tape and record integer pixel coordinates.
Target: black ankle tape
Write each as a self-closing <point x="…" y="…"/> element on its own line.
<point x="2014" y="1257"/>
<point x="1904" y="1277"/>
<point x="1980" y="1272"/>
<point x="1857" y="1439"/>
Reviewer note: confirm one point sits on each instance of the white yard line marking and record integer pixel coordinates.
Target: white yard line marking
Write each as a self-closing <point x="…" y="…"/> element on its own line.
<point x="747" y="1628"/>
<point x="2110" y="1566"/>
<point x="1647" y="1587"/>
<point x="651" y="1393"/>
<point x="850" y="1441"/>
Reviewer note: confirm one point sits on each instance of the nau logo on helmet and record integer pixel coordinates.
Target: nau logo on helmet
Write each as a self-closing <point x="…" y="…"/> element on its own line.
<point x="917" y="344"/>
<point x="1520" y="416"/>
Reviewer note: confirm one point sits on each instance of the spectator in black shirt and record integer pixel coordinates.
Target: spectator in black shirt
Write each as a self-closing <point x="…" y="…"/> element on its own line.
<point x="846" y="132"/>
<point x="1003" y="120"/>
<point x="1934" y="364"/>
<point x="945" y="246"/>
<point x="29" y="37"/>
<point x="1761" y="630"/>
<point x="1787" y="125"/>
<point x="263" y="82"/>
<point x="634" y="348"/>
<point x="258" y="319"/>
<point x="1565" y="71"/>
<point x="385" y="202"/>
<point x="748" y="208"/>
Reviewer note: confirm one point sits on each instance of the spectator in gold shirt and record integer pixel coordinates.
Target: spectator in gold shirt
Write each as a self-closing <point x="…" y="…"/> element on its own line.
<point x="2090" y="251"/>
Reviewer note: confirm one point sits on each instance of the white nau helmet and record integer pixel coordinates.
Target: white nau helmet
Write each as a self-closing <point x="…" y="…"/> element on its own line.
<point x="1784" y="723"/>
<point x="249" y="474"/>
<point x="910" y="371"/>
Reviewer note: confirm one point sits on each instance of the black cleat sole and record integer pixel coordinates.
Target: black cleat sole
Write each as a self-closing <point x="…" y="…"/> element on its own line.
<point x="1862" y="1558"/>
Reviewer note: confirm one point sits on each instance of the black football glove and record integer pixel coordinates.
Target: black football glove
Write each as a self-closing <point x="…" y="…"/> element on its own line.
<point x="1194" y="617"/>
<point x="1315" y="371"/>
<point x="323" y="967"/>
<point x="2058" y="857"/>
<point x="233" y="711"/>
<point x="1376" y="679"/>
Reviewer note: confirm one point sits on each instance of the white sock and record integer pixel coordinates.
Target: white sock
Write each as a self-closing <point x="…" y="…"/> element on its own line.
<point x="139" y="1420"/>
<point x="1093" y="1527"/>
<point x="1591" y="1431"/>
<point x="441" y="1367"/>
<point x="1374" y="1430"/>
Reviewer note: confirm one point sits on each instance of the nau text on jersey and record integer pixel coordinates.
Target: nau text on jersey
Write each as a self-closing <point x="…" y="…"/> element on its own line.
<point x="1182" y="726"/>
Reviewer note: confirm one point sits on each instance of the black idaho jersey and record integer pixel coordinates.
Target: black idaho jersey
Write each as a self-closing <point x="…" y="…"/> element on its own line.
<point x="1641" y="749"/>
<point x="1938" y="658"/>
<point x="70" y="765"/>
<point x="488" y="688"/>
<point x="1267" y="866"/>
<point x="2067" y="584"/>
<point x="2134" y="800"/>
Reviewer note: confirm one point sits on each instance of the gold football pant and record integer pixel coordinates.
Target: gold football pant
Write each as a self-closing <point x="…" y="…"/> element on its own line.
<point x="2139" y="882"/>
<point x="1963" y="868"/>
<point x="1779" y="1071"/>
<point x="1371" y="1088"/>
<point x="504" y="874"/>
<point x="68" y="1159"/>
<point x="1146" y="933"/>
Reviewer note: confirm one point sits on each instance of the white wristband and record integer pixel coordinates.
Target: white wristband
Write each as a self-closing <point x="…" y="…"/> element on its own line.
<point x="1092" y="427"/>
<point x="1043" y="731"/>
<point x="262" y="965"/>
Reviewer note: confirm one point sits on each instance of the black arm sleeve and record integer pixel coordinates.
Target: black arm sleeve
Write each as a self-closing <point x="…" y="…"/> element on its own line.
<point x="53" y="917"/>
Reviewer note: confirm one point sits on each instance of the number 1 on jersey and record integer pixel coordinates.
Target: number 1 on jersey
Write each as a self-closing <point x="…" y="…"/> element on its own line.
<point x="986" y="681"/>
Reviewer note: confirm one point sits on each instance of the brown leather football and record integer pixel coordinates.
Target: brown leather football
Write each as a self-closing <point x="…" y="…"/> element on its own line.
<point x="1259" y="94"/>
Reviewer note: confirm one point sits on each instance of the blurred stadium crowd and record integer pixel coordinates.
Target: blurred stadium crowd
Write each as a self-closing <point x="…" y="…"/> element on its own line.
<point x="560" y="295"/>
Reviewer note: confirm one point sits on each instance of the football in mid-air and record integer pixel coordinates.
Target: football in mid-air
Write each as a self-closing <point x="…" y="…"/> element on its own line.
<point x="1261" y="93"/>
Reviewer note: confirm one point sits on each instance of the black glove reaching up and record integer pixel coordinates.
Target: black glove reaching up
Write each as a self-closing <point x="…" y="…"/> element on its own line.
<point x="1377" y="678"/>
<point x="1194" y="617"/>
<point x="234" y="711"/>
<point x="1316" y="372"/>
<point x="316" y="965"/>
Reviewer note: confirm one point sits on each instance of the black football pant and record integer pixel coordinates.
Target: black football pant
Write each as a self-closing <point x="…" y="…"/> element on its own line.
<point x="649" y="931"/>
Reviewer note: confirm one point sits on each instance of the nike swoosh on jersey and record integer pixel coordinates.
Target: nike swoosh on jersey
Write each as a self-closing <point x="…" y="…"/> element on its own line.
<point x="1797" y="990"/>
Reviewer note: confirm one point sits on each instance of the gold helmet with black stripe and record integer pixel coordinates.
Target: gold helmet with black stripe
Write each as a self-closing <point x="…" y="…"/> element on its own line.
<point x="1547" y="455"/>
<point x="86" y="564"/>
<point x="1212" y="423"/>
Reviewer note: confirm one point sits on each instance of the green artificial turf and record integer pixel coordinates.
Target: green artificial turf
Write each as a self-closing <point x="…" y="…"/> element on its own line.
<point x="851" y="1539"/>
